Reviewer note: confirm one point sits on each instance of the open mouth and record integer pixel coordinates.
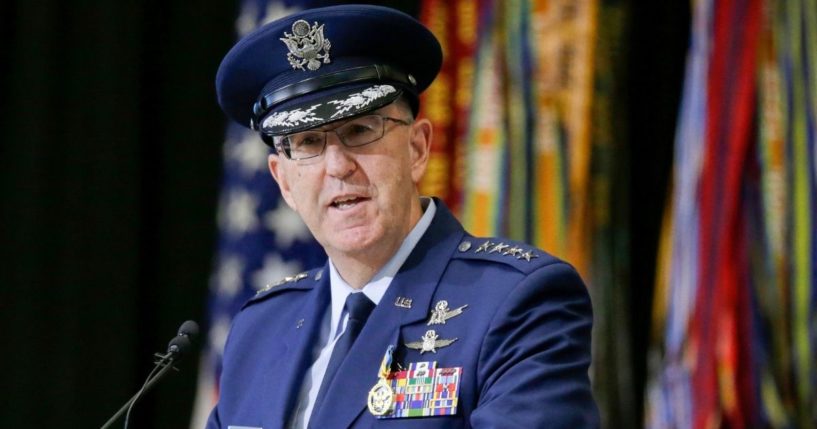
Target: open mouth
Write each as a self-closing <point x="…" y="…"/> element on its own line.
<point x="343" y="203"/>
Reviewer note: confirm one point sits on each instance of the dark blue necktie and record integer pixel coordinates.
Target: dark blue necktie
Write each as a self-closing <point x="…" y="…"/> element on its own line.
<point x="359" y="306"/>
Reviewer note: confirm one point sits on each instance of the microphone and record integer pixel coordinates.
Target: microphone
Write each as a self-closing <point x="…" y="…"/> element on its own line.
<point x="177" y="348"/>
<point x="181" y="343"/>
<point x="189" y="329"/>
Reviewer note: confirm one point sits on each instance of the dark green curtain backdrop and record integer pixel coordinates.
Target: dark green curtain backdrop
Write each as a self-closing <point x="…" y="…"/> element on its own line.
<point x="110" y="160"/>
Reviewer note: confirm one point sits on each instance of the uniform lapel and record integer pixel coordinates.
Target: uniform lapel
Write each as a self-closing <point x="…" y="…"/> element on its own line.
<point x="416" y="280"/>
<point x="299" y="339"/>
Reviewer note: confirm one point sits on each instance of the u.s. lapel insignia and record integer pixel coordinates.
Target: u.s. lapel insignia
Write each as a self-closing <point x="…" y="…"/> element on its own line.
<point x="402" y="302"/>
<point x="441" y="313"/>
<point x="422" y="390"/>
<point x="430" y="342"/>
<point x="381" y="396"/>
<point x="307" y="45"/>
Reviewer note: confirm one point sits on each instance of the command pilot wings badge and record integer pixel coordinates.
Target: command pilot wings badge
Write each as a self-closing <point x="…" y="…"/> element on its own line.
<point x="429" y="342"/>
<point x="305" y="45"/>
<point x="441" y="313"/>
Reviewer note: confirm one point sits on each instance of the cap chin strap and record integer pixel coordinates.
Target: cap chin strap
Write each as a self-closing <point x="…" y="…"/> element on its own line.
<point x="374" y="73"/>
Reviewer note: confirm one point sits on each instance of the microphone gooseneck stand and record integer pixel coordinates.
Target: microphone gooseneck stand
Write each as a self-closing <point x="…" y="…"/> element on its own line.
<point x="176" y="349"/>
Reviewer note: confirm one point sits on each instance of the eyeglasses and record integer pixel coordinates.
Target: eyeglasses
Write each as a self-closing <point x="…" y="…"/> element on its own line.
<point x="357" y="132"/>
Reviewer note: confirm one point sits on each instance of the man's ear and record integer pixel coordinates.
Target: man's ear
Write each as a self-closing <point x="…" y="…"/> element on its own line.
<point x="420" y="147"/>
<point x="279" y="173"/>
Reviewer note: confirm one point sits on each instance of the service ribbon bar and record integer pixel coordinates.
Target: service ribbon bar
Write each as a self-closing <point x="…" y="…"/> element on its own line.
<point x="424" y="390"/>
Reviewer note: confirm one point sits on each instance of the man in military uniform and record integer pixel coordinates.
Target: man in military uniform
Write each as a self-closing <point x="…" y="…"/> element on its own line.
<point x="412" y="322"/>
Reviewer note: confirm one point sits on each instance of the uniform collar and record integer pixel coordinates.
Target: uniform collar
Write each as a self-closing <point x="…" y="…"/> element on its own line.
<point x="378" y="285"/>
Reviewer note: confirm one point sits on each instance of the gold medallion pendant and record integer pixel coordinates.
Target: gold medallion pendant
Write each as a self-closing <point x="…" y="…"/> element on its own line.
<point x="381" y="398"/>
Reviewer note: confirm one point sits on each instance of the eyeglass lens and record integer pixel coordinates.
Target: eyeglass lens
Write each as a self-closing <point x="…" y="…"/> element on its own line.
<point x="357" y="132"/>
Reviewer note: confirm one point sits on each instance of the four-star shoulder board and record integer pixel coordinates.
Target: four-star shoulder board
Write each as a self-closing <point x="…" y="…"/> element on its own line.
<point x="285" y="280"/>
<point x="492" y="249"/>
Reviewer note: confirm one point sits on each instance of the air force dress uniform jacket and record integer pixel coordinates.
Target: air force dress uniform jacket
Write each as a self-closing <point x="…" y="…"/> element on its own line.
<point x="522" y="341"/>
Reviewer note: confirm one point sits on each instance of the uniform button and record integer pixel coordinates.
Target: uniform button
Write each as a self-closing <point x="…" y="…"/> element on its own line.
<point x="464" y="246"/>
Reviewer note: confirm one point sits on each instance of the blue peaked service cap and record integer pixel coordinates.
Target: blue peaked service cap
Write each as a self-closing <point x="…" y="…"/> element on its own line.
<point x="321" y="65"/>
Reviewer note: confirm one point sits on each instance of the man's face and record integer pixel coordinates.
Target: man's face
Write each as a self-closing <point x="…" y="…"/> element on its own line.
<point x="361" y="199"/>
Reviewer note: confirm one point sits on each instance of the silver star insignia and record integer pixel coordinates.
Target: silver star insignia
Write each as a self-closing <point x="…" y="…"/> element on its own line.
<point x="527" y="256"/>
<point x="498" y="248"/>
<point x="286" y="279"/>
<point x="295" y="278"/>
<point x="484" y="246"/>
<point x="513" y="251"/>
<point x="429" y="342"/>
<point x="441" y="313"/>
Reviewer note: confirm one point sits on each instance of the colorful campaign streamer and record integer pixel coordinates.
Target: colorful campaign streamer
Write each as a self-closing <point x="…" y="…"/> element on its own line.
<point x="515" y="99"/>
<point x="738" y="306"/>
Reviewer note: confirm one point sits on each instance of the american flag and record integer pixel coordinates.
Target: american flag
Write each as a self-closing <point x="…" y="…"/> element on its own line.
<point x="261" y="240"/>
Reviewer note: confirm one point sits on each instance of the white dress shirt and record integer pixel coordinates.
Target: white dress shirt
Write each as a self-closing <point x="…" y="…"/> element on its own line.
<point x="334" y="321"/>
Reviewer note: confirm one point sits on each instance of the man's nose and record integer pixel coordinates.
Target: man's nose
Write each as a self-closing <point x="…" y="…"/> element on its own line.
<point x="339" y="161"/>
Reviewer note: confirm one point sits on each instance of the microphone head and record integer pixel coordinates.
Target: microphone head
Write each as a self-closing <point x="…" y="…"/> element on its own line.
<point x="189" y="329"/>
<point x="179" y="346"/>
